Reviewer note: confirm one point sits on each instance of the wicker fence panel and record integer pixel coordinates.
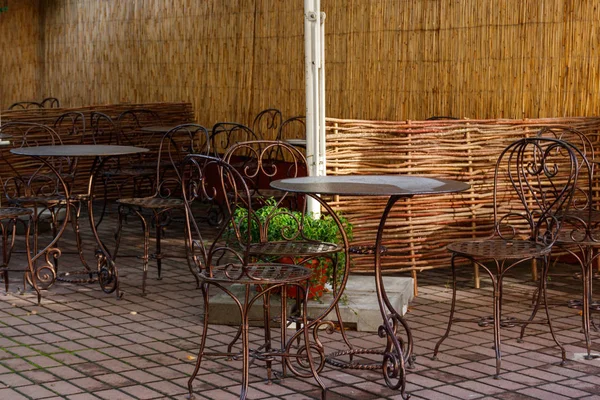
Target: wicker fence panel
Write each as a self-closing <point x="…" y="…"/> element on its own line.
<point x="419" y="228"/>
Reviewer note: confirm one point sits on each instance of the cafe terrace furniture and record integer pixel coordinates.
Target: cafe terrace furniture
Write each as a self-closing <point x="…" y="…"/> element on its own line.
<point x="37" y="188"/>
<point x="119" y="172"/>
<point x="224" y="267"/>
<point x="259" y="163"/>
<point x="175" y="145"/>
<point x="543" y="174"/>
<point x="579" y="235"/>
<point x="108" y="276"/>
<point x="394" y="187"/>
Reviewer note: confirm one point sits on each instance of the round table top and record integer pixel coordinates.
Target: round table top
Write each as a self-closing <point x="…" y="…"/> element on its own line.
<point x="78" y="150"/>
<point x="370" y="185"/>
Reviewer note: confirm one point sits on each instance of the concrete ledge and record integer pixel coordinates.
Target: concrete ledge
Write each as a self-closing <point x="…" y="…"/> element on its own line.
<point x="359" y="308"/>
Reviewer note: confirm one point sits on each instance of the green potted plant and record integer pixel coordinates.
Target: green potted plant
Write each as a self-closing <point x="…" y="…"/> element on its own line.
<point x="283" y="224"/>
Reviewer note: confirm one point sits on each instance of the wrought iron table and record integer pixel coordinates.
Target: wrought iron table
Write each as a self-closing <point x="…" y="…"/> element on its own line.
<point x="397" y="352"/>
<point x="108" y="276"/>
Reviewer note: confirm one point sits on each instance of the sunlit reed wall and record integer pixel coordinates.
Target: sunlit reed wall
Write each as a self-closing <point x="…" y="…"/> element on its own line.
<point x="386" y="59"/>
<point x="21" y="74"/>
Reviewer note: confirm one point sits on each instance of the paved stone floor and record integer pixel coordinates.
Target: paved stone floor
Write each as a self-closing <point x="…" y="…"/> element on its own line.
<point x="81" y="343"/>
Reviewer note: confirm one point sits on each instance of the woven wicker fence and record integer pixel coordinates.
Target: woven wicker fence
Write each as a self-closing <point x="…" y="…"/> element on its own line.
<point x="419" y="228"/>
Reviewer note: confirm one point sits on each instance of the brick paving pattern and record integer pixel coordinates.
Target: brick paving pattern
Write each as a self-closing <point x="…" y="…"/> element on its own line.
<point x="82" y="344"/>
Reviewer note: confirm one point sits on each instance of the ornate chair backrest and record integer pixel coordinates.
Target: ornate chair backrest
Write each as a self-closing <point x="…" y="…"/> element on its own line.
<point x="267" y="123"/>
<point x="25" y="105"/>
<point x="269" y="160"/>
<point x="103" y="129"/>
<point x="50" y="102"/>
<point x="211" y="179"/>
<point x="535" y="181"/>
<point x="226" y="134"/>
<point x="131" y="121"/>
<point x="71" y="127"/>
<point x="582" y="213"/>
<point x="25" y="176"/>
<point x="293" y="128"/>
<point x="175" y="145"/>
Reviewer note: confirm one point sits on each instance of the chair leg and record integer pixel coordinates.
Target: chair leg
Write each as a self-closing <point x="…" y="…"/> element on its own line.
<point x="202" y="342"/>
<point x="158" y="254"/>
<point x="544" y="279"/>
<point x="587" y="272"/>
<point x="311" y="362"/>
<point x="29" y="262"/>
<point x="497" y="293"/>
<point x="452" y="308"/>
<point x="146" y="254"/>
<point x="245" y="351"/>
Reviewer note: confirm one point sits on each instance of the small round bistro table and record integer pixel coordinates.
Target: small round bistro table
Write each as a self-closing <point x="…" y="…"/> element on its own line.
<point x="108" y="276"/>
<point x="397" y="352"/>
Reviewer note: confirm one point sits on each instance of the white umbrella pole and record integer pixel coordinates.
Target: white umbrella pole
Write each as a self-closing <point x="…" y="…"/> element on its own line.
<point x="315" y="92"/>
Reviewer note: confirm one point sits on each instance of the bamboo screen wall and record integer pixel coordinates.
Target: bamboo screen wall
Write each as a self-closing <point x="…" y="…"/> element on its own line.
<point x="20" y="41"/>
<point x="419" y="228"/>
<point x="386" y="59"/>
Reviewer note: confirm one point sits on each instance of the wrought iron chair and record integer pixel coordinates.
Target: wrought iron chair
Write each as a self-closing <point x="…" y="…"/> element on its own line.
<point x="265" y="161"/>
<point x="34" y="185"/>
<point x="130" y="123"/>
<point x="535" y="180"/>
<point x="175" y="145"/>
<point x="580" y="225"/>
<point x="266" y="124"/>
<point x="119" y="173"/>
<point x="50" y="102"/>
<point x="25" y="105"/>
<point x="223" y="267"/>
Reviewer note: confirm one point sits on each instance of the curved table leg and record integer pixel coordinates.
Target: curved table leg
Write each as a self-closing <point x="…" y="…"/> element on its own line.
<point x="108" y="275"/>
<point x="45" y="274"/>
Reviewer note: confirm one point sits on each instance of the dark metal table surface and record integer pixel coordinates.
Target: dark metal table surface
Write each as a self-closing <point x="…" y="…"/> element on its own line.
<point x="397" y="351"/>
<point x="108" y="276"/>
<point x="78" y="150"/>
<point x="370" y="185"/>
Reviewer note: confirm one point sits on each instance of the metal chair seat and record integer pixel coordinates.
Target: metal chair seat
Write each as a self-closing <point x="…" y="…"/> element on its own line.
<point x="499" y="249"/>
<point x="300" y="248"/>
<point x="14" y="212"/>
<point x="129" y="172"/>
<point x="262" y="274"/>
<point x="46" y="201"/>
<point x="152" y="202"/>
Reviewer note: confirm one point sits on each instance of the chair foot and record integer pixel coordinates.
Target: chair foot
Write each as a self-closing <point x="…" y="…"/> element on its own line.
<point x="497" y="377"/>
<point x="519" y="340"/>
<point x="434" y="358"/>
